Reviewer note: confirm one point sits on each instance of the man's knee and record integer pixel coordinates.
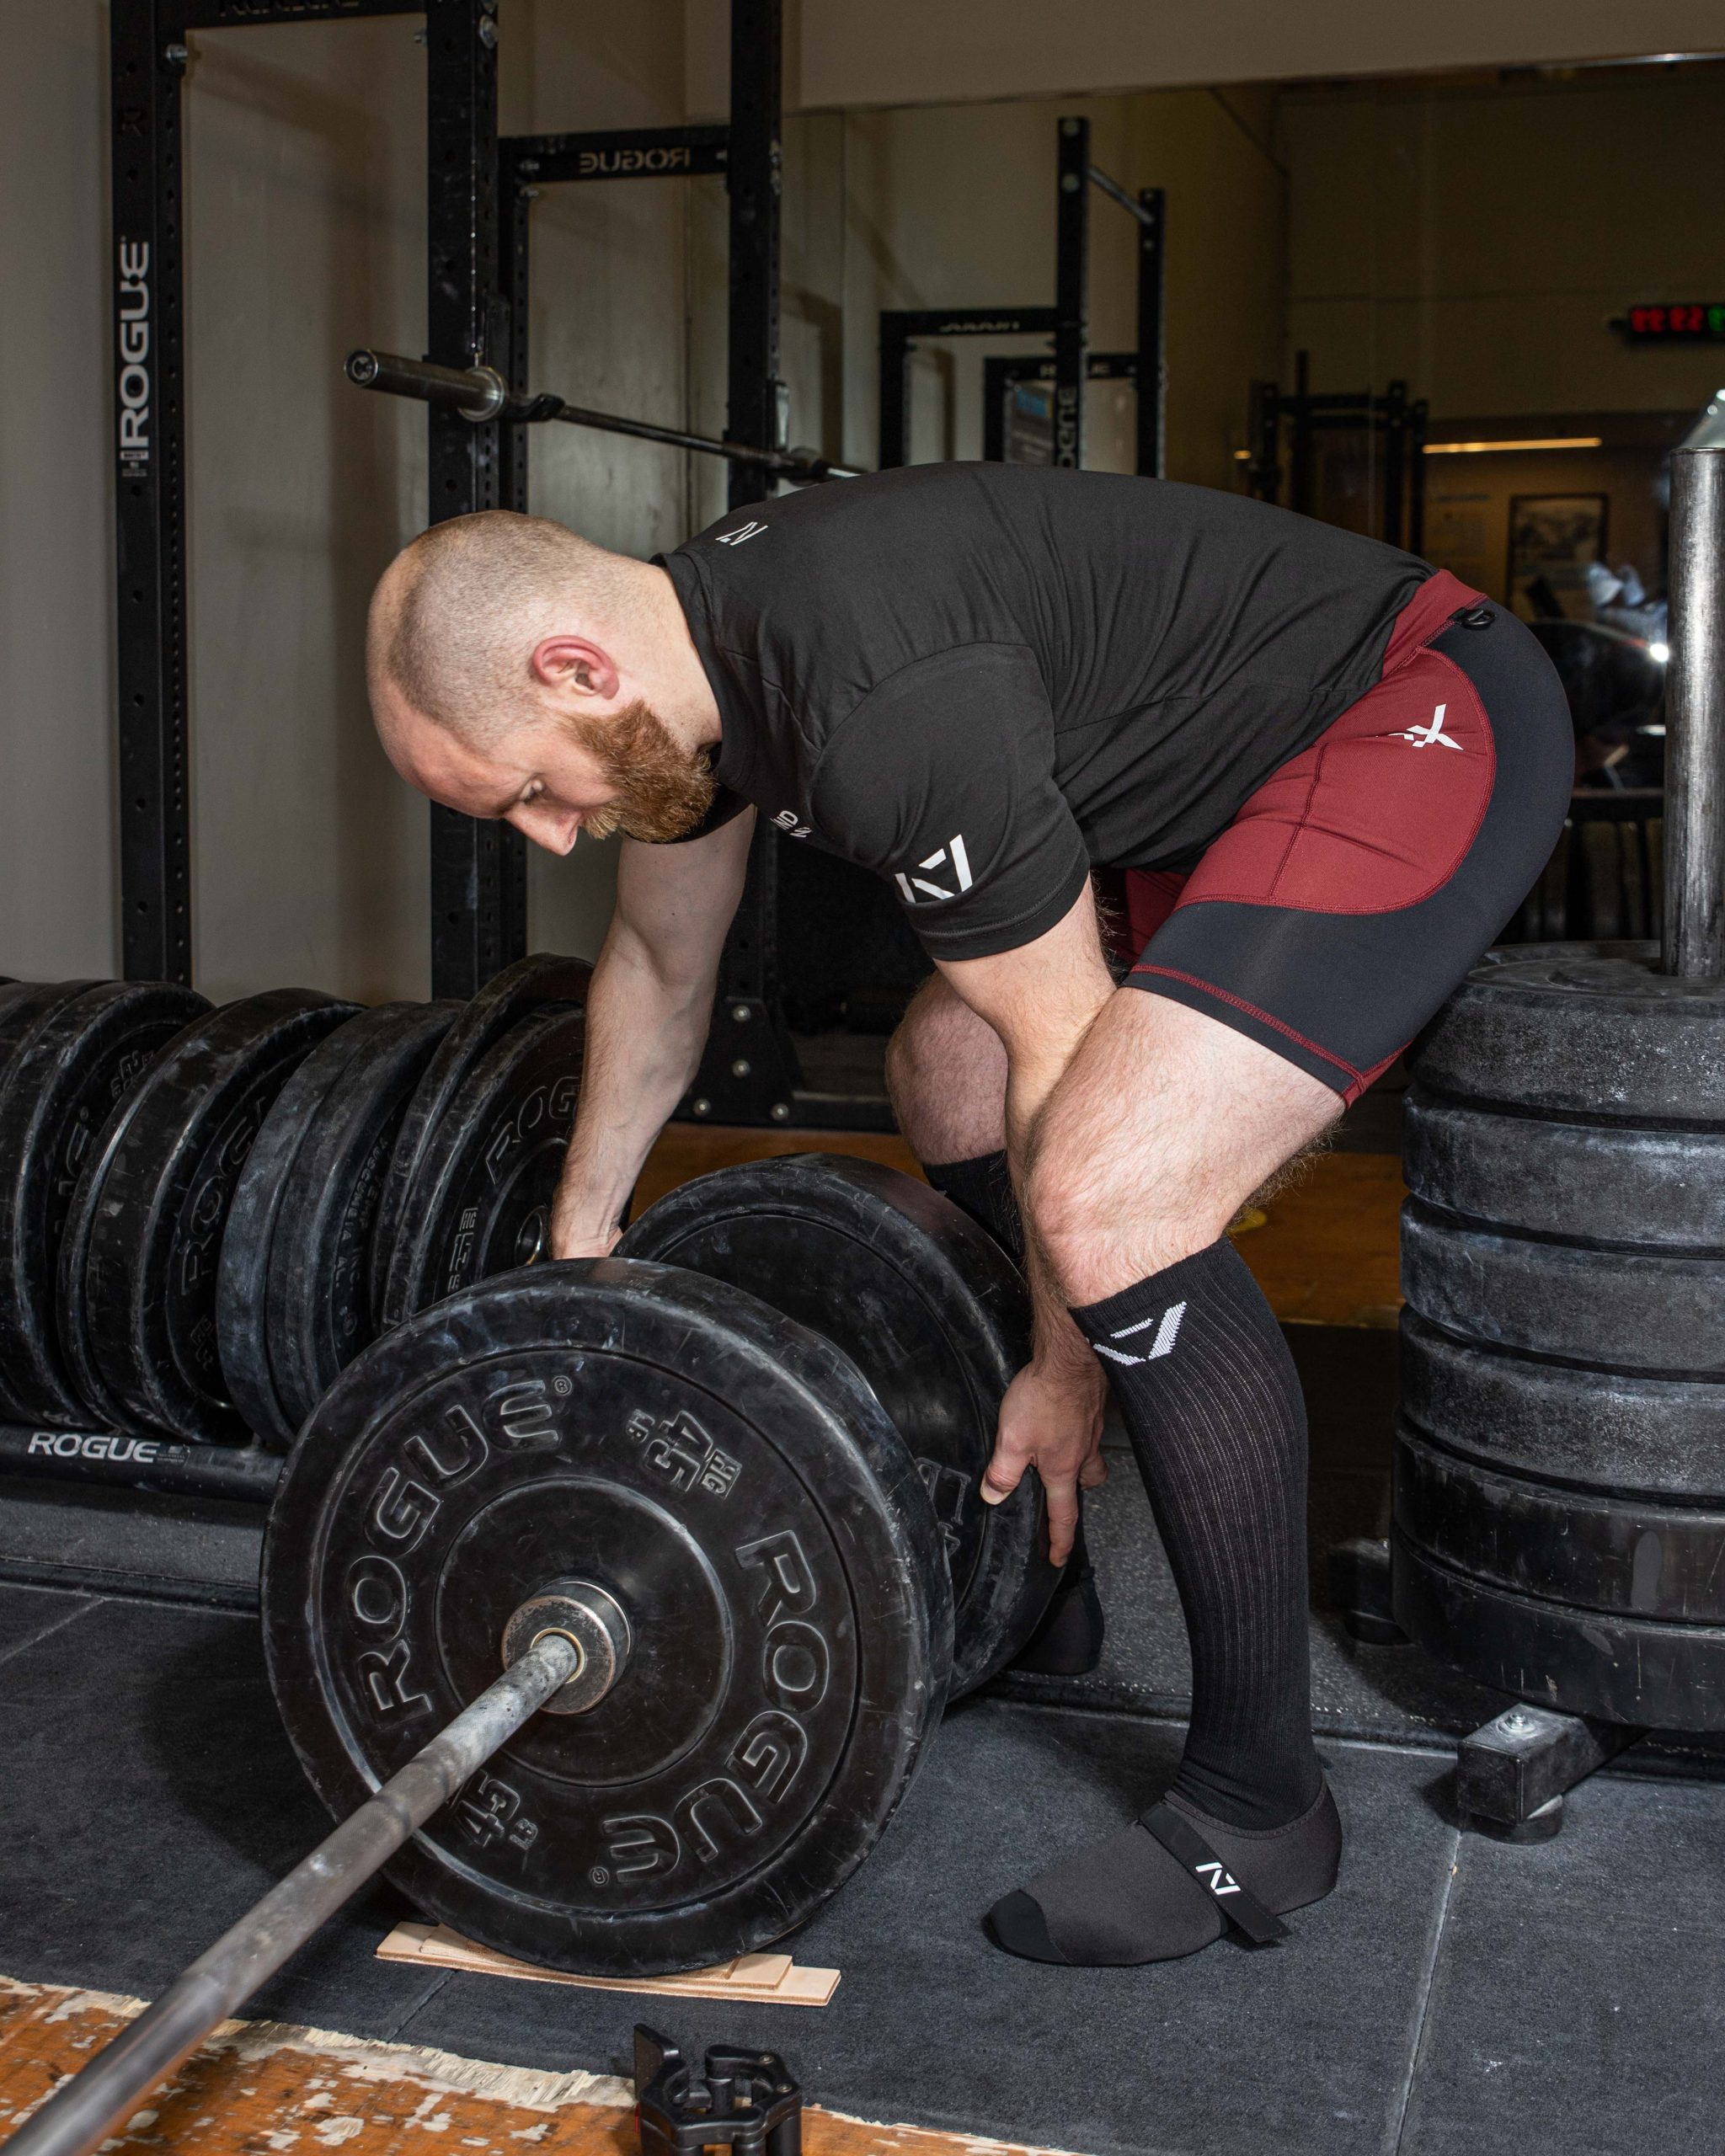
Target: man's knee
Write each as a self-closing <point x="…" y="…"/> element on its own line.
<point x="946" y="1075"/>
<point x="1107" y="1219"/>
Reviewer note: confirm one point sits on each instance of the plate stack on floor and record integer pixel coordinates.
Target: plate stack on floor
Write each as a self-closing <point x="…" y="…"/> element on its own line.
<point x="206" y="1213"/>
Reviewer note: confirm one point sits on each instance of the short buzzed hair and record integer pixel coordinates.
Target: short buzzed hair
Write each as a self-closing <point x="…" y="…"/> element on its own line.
<point x="459" y="618"/>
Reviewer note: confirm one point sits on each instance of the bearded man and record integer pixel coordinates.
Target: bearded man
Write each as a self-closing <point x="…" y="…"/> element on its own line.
<point x="1327" y="776"/>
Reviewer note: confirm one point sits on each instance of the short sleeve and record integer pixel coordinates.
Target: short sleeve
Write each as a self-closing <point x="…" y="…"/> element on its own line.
<point x="941" y="781"/>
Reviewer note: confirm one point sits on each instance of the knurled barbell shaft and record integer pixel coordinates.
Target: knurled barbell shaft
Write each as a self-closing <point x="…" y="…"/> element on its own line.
<point x="479" y="393"/>
<point x="98" y="2100"/>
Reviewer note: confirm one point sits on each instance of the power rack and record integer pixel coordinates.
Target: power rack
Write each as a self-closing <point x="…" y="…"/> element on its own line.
<point x="749" y="1073"/>
<point x="1393" y="418"/>
<point x="478" y="883"/>
<point x="1147" y="364"/>
<point x="1070" y="364"/>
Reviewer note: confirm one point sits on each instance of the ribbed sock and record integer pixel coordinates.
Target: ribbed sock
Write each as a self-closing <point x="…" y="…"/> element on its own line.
<point x="1211" y="1401"/>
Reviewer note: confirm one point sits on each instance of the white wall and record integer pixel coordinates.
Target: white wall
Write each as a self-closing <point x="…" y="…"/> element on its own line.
<point x="1477" y="237"/>
<point x="306" y="235"/>
<point x="955" y="206"/>
<point x="894" y="52"/>
<point x="57" y="805"/>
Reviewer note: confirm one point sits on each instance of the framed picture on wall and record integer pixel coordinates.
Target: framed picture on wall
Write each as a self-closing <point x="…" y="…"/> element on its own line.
<point x="1553" y="538"/>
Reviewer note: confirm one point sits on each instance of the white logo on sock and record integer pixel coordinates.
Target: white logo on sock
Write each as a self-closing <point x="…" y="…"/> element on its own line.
<point x="1167" y="1327"/>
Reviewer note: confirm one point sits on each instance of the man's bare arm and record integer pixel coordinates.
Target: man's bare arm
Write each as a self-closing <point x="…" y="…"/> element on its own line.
<point x="1041" y="999"/>
<point x="648" y="1011"/>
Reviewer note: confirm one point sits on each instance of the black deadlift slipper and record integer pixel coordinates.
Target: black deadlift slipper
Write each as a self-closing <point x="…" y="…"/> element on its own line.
<point x="1068" y="1641"/>
<point x="1170" y="1884"/>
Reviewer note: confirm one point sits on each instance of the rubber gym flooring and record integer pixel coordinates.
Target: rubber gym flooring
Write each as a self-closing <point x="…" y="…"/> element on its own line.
<point x="1455" y="1994"/>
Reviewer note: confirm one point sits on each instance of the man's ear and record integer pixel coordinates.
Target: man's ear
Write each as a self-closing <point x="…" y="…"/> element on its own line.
<point x="573" y="662"/>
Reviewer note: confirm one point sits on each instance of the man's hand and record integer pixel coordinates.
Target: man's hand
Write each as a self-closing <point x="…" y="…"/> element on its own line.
<point x="1051" y="1420"/>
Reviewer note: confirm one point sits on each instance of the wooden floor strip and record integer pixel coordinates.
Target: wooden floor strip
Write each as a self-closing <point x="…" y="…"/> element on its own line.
<point x="269" y="2089"/>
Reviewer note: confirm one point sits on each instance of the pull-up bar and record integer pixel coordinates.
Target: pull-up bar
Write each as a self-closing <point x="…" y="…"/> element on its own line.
<point x="480" y="394"/>
<point x="1116" y="193"/>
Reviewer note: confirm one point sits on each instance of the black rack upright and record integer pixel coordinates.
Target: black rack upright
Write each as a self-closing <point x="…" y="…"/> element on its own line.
<point x="477" y="873"/>
<point x="750" y="1071"/>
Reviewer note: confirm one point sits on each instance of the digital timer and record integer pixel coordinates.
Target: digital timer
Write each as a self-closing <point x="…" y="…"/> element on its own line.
<point x="1690" y="319"/>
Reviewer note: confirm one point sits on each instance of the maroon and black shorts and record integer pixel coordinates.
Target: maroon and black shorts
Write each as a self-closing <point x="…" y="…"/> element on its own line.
<point x="1351" y="892"/>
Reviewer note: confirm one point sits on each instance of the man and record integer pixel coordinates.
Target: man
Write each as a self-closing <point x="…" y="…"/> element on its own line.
<point x="1331" y="774"/>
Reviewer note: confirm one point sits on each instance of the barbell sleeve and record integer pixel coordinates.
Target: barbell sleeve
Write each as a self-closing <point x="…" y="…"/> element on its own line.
<point x="98" y="2100"/>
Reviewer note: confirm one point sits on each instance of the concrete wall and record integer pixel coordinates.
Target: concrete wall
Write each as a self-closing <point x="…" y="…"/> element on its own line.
<point x="305" y="216"/>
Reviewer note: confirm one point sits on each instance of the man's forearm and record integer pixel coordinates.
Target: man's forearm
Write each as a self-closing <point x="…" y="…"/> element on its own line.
<point x="645" y="1035"/>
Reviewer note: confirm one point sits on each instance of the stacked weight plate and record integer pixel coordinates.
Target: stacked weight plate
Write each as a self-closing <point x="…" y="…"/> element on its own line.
<point x="469" y="1189"/>
<point x="202" y="1211"/>
<point x="140" y="1258"/>
<point x="294" y="1301"/>
<point x="414" y="1150"/>
<point x="1560" y="1470"/>
<point x="71" y="1054"/>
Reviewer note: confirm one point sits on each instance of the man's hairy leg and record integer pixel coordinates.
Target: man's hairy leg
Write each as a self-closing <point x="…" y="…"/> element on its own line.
<point x="1163" y="1123"/>
<point x="946" y="1071"/>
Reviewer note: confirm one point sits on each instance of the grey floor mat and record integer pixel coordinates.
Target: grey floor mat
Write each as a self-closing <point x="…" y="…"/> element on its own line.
<point x="1453" y="1995"/>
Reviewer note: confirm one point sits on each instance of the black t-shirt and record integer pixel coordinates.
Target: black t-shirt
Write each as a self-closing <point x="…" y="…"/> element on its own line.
<point x="980" y="679"/>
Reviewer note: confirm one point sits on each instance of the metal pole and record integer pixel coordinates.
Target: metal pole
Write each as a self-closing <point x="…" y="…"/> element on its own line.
<point x="997" y="384"/>
<point x="98" y="2100"/>
<point x="149" y="443"/>
<point x="755" y="410"/>
<point x="1299" y="487"/>
<point x="1395" y="459"/>
<point x="895" y="393"/>
<point x="479" y="865"/>
<point x="1417" y="415"/>
<point x="1264" y="428"/>
<point x="1693" y="944"/>
<point x="1152" y="333"/>
<point x="1071" y="284"/>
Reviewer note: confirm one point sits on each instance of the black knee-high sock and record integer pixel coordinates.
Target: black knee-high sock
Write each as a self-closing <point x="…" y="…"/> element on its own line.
<point x="1211" y="1401"/>
<point x="983" y="1188"/>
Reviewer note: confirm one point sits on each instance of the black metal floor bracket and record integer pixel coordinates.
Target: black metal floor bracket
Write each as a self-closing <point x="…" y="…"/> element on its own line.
<point x="1513" y="1774"/>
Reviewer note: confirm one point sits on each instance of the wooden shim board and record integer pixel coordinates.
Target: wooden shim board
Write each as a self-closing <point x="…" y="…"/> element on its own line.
<point x="761" y="1979"/>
